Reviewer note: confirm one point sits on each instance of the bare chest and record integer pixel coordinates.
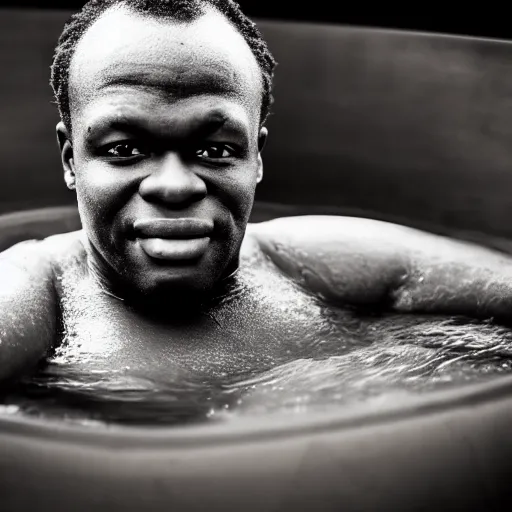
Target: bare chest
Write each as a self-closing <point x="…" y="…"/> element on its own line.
<point x="265" y="322"/>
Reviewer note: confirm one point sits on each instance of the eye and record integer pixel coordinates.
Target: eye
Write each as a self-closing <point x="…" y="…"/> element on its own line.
<point x="215" y="151"/>
<point x="124" y="150"/>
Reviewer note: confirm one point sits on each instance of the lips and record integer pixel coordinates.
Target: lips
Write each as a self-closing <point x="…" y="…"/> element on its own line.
<point x="173" y="228"/>
<point x="173" y="239"/>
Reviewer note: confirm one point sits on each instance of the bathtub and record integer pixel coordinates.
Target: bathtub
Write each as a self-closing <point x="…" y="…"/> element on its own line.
<point x="399" y="126"/>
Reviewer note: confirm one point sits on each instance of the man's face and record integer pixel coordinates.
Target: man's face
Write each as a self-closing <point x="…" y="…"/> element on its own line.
<point x="165" y="149"/>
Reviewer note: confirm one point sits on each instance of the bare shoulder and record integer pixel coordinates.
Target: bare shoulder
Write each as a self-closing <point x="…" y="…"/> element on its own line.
<point x="344" y="259"/>
<point x="361" y="237"/>
<point x="39" y="257"/>
<point x="29" y="270"/>
<point x="365" y="261"/>
<point x="29" y="305"/>
<point x="310" y="230"/>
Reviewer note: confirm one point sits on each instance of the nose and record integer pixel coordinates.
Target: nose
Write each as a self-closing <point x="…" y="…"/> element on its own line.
<point x="173" y="184"/>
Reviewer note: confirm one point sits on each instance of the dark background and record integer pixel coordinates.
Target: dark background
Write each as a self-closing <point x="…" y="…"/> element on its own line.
<point x="484" y="19"/>
<point x="392" y="125"/>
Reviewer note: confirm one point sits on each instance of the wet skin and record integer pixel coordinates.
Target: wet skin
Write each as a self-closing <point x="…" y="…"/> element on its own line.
<point x="167" y="280"/>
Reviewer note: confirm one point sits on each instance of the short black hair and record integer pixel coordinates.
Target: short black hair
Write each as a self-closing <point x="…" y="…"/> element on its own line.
<point x="179" y="10"/>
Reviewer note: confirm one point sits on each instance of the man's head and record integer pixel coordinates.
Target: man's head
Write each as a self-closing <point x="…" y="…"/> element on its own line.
<point x="162" y="106"/>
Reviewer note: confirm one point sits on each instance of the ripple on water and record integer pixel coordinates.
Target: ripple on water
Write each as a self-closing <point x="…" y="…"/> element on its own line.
<point x="432" y="357"/>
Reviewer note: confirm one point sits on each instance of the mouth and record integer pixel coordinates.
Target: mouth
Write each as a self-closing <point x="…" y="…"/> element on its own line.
<point x="173" y="239"/>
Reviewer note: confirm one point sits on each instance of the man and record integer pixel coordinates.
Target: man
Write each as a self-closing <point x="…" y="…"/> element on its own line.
<point x="163" y="107"/>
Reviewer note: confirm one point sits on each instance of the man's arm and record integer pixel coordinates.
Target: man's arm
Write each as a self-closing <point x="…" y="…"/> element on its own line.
<point x="28" y="308"/>
<point x="364" y="262"/>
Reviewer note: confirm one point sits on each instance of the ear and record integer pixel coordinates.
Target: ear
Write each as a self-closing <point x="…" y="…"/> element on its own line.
<point x="66" y="155"/>
<point x="262" y="139"/>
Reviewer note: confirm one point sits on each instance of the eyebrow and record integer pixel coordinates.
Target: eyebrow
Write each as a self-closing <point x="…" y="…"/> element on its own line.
<point x="189" y="86"/>
<point x="201" y="127"/>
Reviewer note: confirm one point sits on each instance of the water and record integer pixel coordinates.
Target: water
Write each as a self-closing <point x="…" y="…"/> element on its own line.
<point x="415" y="355"/>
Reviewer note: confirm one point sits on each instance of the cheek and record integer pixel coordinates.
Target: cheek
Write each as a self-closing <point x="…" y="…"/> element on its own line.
<point x="101" y="194"/>
<point x="100" y="191"/>
<point x="238" y="192"/>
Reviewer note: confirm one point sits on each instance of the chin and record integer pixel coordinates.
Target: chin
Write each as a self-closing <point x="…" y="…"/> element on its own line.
<point x="185" y="282"/>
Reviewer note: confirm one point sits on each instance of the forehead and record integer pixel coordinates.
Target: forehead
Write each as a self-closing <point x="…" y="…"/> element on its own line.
<point x="173" y="59"/>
